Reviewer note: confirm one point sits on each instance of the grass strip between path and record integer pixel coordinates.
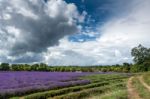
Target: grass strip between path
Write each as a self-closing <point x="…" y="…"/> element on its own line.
<point x="143" y="92"/>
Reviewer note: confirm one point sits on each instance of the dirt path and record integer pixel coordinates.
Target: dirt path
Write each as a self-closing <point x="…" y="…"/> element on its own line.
<point x="144" y="84"/>
<point x="132" y="93"/>
<point x="21" y="98"/>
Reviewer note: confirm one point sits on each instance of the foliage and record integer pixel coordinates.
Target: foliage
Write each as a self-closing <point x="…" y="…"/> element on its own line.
<point x="4" y="67"/>
<point x="44" y="67"/>
<point x="140" y="54"/>
<point x="138" y="68"/>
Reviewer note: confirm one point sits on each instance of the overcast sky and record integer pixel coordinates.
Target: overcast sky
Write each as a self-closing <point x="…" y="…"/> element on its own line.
<point x="72" y="32"/>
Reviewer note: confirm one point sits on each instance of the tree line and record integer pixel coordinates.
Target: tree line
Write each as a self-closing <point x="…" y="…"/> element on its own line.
<point x="44" y="67"/>
<point x="140" y="54"/>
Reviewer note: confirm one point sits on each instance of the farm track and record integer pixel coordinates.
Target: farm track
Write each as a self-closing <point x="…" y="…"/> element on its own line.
<point x="132" y="92"/>
<point x="143" y="83"/>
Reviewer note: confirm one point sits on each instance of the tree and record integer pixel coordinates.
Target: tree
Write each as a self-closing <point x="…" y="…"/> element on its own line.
<point x="140" y="54"/>
<point x="4" y="66"/>
<point x="15" y="67"/>
<point x="126" y="67"/>
<point x="42" y="67"/>
<point x="126" y="64"/>
<point x="35" y="67"/>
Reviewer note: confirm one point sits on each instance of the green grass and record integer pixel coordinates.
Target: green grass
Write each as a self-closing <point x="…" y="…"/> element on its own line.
<point x="15" y="98"/>
<point x="143" y="92"/>
<point x="104" y="77"/>
<point x="53" y="93"/>
<point x="119" y="94"/>
<point x="88" y="92"/>
<point x="146" y="78"/>
<point x="115" y="94"/>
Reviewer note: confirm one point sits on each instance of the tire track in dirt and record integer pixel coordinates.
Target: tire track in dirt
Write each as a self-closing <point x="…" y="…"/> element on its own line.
<point x="132" y="93"/>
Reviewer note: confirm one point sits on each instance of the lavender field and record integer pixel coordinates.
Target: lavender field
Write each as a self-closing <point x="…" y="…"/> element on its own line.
<point x="19" y="83"/>
<point x="74" y="49"/>
<point x="45" y="85"/>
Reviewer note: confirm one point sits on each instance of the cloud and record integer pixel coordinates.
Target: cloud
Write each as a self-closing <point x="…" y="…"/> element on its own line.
<point x="33" y="29"/>
<point x="118" y="36"/>
<point x="86" y="53"/>
<point x="31" y="26"/>
<point x="131" y="29"/>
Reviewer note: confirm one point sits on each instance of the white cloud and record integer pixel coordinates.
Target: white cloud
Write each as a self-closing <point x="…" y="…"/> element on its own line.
<point x="119" y="36"/>
<point x="86" y="53"/>
<point x="131" y="29"/>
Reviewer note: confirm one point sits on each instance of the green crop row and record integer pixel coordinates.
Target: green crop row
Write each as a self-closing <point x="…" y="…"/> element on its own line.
<point x="52" y="93"/>
<point x="88" y="92"/>
<point x="44" y="95"/>
<point x="103" y="77"/>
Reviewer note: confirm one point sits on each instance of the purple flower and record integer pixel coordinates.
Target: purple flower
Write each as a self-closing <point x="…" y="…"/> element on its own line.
<point x="19" y="83"/>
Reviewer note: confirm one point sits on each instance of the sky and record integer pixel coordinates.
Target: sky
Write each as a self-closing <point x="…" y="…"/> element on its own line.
<point x="72" y="32"/>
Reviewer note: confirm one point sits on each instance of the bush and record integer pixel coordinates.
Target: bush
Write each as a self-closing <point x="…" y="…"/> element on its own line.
<point x="4" y="66"/>
<point x="139" y="68"/>
<point x="147" y="66"/>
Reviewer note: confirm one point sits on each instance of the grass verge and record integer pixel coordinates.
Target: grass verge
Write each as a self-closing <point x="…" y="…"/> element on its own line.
<point x="143" y="92"/>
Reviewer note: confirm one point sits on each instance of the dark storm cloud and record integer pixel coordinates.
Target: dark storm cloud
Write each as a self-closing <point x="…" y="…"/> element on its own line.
<point x="28" y="59"/>
<point x="39" y="27"/>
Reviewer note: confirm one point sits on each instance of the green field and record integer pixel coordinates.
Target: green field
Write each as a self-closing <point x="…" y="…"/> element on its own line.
<point x="102" y="86"/>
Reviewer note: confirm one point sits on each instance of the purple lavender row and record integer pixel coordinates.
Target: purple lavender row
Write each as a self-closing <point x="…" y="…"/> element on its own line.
<point x="27" y="82"/>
